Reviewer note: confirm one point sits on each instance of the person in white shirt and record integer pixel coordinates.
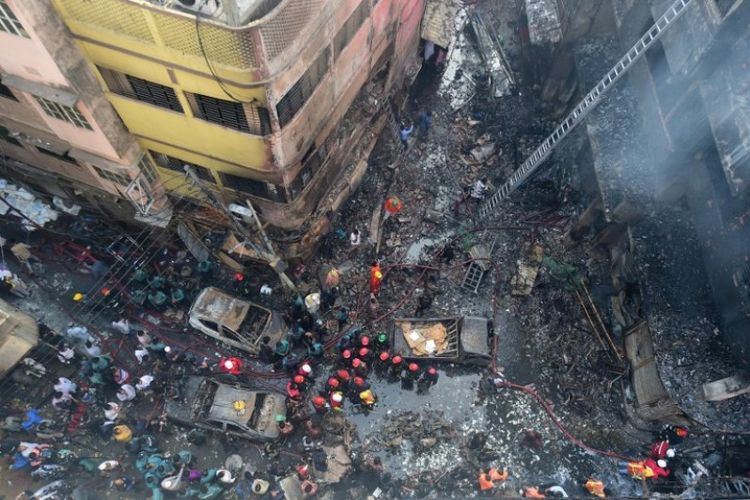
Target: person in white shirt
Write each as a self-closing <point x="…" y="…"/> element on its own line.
<point x="225" y="476"/>
<point x="144" y="382"/>
<point x="126" y="393"/>
<point x="26" y="448"/>
<point x="266" y="290"/>
<point x="144" y="338"/>
<point x="122" y="326"/>
<point x="58" y="398"/>
<point x="65" y="385"/>
<point x="66" y="354"/>
<point x="112" y="411"/>
<point x="355" y="238"/>
<point x="141" y="353"/>
<point x="92" y="349"/>
<point x="479" y="189"/>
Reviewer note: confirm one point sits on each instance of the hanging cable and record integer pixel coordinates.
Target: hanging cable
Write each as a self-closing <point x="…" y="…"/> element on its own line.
<point x="205" y="55"/>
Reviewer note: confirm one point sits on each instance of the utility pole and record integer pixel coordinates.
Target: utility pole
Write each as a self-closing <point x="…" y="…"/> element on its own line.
<point x="265" y="250"/>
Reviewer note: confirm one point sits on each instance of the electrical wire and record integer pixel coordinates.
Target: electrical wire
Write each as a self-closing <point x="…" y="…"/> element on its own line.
<point x="205" y="56"/>
<point x="74" y="314"/>
<point x="146" y="235"/>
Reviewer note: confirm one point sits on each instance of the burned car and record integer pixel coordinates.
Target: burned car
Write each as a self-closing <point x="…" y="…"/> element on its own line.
<point x="233" y="408"/>
<point x="238" y="323"/>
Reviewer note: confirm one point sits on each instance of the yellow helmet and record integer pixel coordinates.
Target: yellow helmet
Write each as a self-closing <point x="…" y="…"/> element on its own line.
<point x="78" y="296"/>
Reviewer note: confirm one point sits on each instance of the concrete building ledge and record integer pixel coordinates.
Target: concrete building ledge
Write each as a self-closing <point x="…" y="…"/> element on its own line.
<point x="54" y="94"/>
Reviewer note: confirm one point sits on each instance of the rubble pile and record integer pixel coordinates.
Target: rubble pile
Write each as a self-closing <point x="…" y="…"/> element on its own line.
<point x="324" y="399"/>
<point x="34" y="212"/>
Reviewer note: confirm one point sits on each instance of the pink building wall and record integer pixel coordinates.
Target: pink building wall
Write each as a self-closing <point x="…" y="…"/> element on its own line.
<point x="27" y="58"/>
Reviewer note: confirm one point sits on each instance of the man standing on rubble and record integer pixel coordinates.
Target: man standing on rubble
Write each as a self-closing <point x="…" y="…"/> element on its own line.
<point x="376" y="277"/>
<point x="424" y="301"/>
<point x="479" y="190"/>
<point x="404" y="133"/>
<point x="595" y="488"/>
<point x="636" y="470"/>
<point x="425" y="122"/>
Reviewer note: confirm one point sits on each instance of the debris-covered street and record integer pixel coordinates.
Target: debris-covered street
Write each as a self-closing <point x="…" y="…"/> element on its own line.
<point x="427" y="351"/>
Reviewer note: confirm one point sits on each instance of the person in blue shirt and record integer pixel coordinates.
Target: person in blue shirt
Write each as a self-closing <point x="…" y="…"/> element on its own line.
<point x="404" y="134"/>
<point x="30" y="419"/>
<point x="425" y="122"/>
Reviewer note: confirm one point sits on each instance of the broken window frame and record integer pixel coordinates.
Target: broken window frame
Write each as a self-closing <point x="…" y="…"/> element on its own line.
<point x="121" y="179"/>
<point x="141" y="90"/>
<point x="168" y="162"/>
<point x="312" y="161"/>
<point x="350" y="28"/>
<point x="244" y="185"/>
<point x="62" y="157"/>
<point x="7" y="92"/>
<point x="146" y="165"/>
<point x="5" y="136"/>
<point x="298" y="95"/>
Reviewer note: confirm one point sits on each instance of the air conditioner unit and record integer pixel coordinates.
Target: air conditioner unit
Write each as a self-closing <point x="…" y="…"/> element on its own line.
<point x="204" y="7"/>
<point x="241" y="212"/>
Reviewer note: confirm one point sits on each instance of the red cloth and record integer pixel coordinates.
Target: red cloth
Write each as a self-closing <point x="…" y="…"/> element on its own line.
<point x="319" y="402"/>
<point x="292" y="391"/>
<point x="231" y="365"/>
<point x="659" y="449"/>
<point x="658" y="471"/>
<point x="393" y="205"/>
<point x="376" y="278"/>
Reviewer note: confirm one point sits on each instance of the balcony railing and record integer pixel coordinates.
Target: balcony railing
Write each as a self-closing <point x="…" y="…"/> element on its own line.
<point x="247" y="47"/>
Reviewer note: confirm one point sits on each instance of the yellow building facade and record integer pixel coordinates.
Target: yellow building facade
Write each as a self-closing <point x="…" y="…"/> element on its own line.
<point x="251" y="93"/>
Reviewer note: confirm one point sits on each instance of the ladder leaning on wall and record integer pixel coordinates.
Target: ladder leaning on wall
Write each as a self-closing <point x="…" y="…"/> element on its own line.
<point x="587" y="104"/>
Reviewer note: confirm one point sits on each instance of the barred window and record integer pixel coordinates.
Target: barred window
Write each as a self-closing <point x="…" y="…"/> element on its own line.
<point x="253" y="187"/>
<point x="9" y="22"/>
<point x="301" y="91"/>
<point x="350" y="28"/>
<point x="118" y="178"/>
<point x="142" y="90"/>
<point x="177" y="165"/>
<point x="244" y="184"/>
<point x="243" y="117"/>
<point x="62" y="112"/>
<point x="6" y="92"/>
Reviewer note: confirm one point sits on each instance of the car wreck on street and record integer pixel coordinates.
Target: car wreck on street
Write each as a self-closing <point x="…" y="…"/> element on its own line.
<point x="236" y="322"/>
<point x="232" y="408"/>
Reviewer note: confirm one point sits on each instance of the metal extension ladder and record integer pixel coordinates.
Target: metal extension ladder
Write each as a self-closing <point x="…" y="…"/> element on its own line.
<point x="585" y="106"/>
